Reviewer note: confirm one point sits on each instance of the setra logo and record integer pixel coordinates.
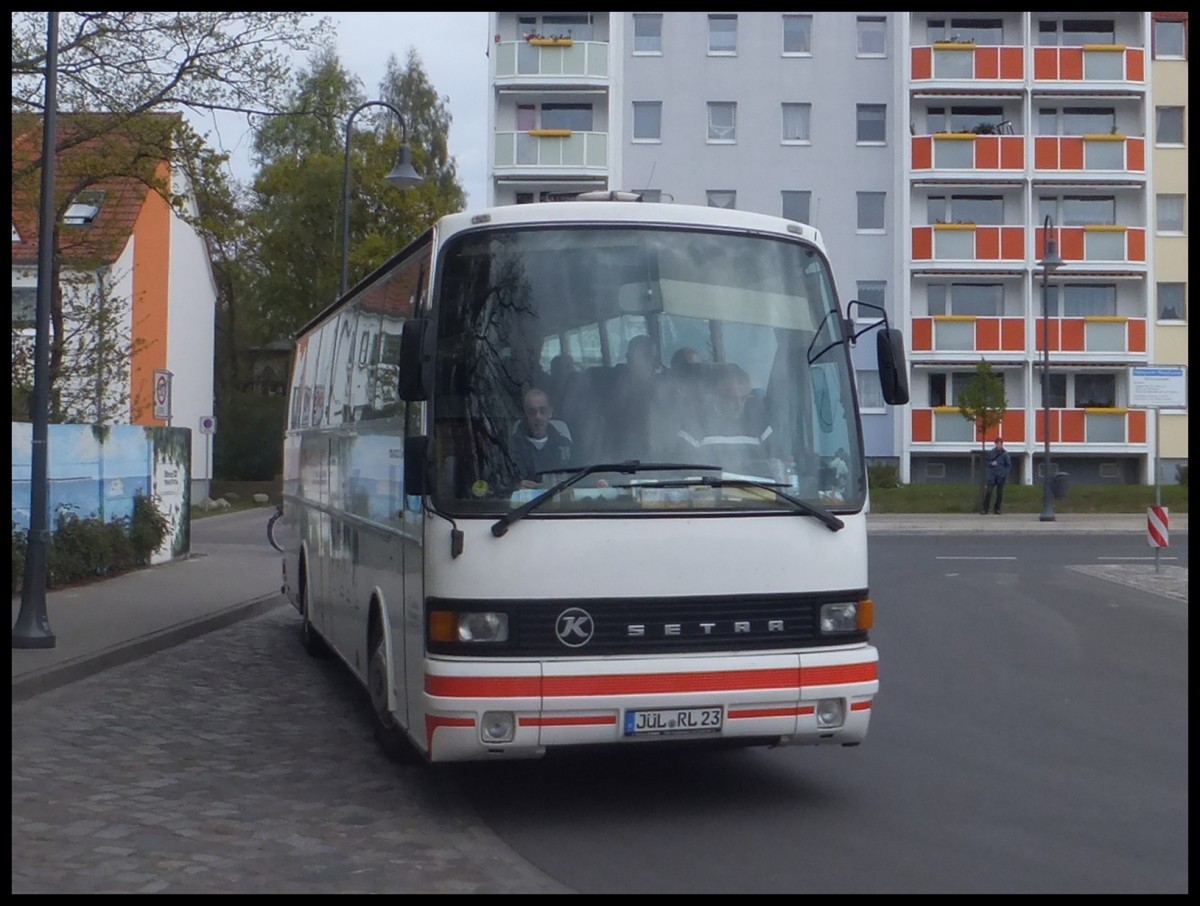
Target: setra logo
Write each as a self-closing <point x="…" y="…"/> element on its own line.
<point x="574" y="627"/>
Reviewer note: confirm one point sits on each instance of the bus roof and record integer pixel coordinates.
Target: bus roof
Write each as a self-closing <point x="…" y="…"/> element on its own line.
<point x="624" y="212"/>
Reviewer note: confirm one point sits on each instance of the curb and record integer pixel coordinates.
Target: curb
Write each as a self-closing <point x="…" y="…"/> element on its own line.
<point x="38" y="681"/>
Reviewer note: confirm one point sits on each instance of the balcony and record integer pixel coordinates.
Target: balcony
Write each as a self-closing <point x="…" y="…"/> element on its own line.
<point x="968" y="333"/>
<point x="1113" y="63"/>
<point x="945" y="425"/>
<point x="969" y="153"/>
<point x="1105" y="243"/>
<point x="968" y="242"/>
<point x="950" y="61"/>
<point x="552" y="150"/>
<point x="519" y="62"/>
<point x="1091" y="154"/>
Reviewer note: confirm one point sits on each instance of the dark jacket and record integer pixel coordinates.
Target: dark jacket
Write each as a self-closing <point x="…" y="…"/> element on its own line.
<point x="529" y="460"/>
<point x="998" y="464"/>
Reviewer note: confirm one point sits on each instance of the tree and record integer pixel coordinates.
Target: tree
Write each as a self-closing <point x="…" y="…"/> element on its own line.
<point x="117" y="73"/>
<point x="982" y="403"/>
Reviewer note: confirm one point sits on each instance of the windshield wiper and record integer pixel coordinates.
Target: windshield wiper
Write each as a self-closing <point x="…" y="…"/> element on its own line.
<point x="629" y="467"/>
<point x="833" y="522"/>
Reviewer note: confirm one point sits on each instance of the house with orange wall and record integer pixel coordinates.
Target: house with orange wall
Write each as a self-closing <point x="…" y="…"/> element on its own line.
<point x="123" y="244"/>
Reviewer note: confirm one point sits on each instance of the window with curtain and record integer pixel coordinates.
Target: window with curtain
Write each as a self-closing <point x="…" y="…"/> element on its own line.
<point x="647" y="120"/>
<point x="796" y="118"/>
<point x="722" y="121"/>
<point x="797" y="34"/>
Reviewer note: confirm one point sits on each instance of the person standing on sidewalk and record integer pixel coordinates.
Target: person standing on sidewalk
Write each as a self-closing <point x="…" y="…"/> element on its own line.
<point x="998" y="466"/>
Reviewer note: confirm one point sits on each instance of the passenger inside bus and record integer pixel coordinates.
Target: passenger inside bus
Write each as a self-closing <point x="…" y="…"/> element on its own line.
<point x="538" y="442"/>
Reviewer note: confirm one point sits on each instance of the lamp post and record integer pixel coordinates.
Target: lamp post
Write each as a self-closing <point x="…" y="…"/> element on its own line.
<point x="32" y="629"/>
<point x="1051" y="262"/>
<point x="403" y="176"/>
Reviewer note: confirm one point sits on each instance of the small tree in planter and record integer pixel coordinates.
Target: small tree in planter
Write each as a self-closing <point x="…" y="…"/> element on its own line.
<point x="982" y="403"/>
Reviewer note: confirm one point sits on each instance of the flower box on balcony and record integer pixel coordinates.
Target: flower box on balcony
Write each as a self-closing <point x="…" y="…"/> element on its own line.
<point x="538" y="41"/>
<point x="551" y="133"/>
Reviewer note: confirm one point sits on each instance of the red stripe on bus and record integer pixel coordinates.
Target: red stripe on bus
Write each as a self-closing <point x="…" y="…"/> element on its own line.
<point x="600" y="721"/>
<point x="771" y="712"/>
<point x="433" y="721"/>
<point x="860" y="706"/>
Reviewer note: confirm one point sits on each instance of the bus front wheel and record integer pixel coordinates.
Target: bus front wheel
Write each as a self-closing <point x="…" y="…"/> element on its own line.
<point x="388" y="733"/>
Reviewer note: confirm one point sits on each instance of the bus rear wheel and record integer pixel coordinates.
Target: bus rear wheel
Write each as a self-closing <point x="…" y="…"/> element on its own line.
<point x="314" y="645"/>
<point x="388" y="733"/>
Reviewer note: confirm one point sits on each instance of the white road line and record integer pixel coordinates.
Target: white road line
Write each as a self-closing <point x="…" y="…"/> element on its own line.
<point x="976" y="558"/>
<point x="1139" y="559"/>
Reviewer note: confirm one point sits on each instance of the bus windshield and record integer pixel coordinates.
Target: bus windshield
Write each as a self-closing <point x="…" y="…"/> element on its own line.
<point x="563" y="348"/>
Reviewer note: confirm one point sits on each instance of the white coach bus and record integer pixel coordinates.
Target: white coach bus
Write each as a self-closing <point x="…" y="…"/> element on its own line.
<point x="586" y="473"/>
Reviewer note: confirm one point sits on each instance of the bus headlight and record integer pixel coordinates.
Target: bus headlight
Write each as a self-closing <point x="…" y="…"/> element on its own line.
<point x="831" y="713"/>
<point x="847" y="616"/>
<point x="468" y="626"/>
<point x="497" y="726"/>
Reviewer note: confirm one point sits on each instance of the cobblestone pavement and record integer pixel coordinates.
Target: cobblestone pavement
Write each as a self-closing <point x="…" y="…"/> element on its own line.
<point x="167" y="775"/>
<point x="1168" y="580"/>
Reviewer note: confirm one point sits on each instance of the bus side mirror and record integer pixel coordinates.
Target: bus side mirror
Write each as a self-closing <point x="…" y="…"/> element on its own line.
<point x="893" y="372"/>
<point x="416" y="448"/>
<point x="414" y="367"/>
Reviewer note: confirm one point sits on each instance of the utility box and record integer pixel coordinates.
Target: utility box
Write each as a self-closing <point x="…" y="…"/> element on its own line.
<point x="1059" y="485"/>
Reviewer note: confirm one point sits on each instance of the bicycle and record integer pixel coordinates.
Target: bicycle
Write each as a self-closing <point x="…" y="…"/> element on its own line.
<point x="271" y="527"/>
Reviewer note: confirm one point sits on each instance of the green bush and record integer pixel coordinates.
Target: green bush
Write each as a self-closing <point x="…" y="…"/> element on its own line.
<point x="1181" y="475"/>
<point x="85" y="549"/>
<point x="883" y="475"/>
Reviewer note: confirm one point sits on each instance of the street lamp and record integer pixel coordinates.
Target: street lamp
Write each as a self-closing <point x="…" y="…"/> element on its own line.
<point x="1051" y="262"/>
<point x="403" y="176"/>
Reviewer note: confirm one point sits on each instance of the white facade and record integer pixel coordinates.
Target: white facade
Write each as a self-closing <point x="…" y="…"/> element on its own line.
<point x="889" y="122"/>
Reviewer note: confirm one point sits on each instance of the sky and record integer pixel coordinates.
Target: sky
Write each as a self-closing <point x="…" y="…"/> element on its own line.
<point x="453" y="50"/>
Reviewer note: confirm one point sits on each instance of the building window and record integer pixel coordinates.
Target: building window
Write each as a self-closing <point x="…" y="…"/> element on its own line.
<point x="1169" y="213"/>
<point x="722" y="34"/>
<point x="870" y="212"/>
<point x="1170" y="302"/>
<point x="576" y="117"/>
<point x="982" y="300"/>
<point x="84" y="210"/>
<point x="1168" y="125"/>
<point x="797" y="34"/>
<point x="647" y="121"/>
<point x="1056" y="394"/>
<point x="796" y="119"/>
<point x="872" y="36"/>
<point x="24" y="304"/>
<point x="872" y="292"/>
<point x="977" y="118"/>
<point x="722" y="198"/>
<point x="965" y="31"/>
<point x="1095" y="391"/>
<point x="524" y="198"/>
<point x="647" y="33"/>
<point x="870" y="391"/>
<point x="1089" y="121"/>
<point x="722" y="121"/>
<point x="957" y="381"/>
<point x="988" y="209"/>
<point x="1085" y="300"/>
<point x="1078" y="210"/>
<point x="796" y="205"/>
<point x="1076" y="32"/>
<point x="1170" y="39"/>
<point x="872" y="124"/>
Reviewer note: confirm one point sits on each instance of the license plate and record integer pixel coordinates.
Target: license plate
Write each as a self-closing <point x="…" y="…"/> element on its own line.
<point x="673" y="720"/>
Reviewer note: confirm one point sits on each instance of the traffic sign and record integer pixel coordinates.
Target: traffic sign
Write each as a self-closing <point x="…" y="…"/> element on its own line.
<point x="162" y="394"/>
<point x="1157" y="526"/>
<point x="1158" y="387"/>
<point x="208" y="424"/>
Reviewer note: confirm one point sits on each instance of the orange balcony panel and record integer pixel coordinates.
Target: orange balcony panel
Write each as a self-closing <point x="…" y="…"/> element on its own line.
<point x="1012" y="334"/>
<point x="922" y="63"/>
<point x="1135" y="245"/>
<point x="1073" y="335"/>
<point x="922" y="243"/>
<point x="987" y="334"/>
<point x="987" y="243"/>
<point x="1045" y="153"/>
<point x="922" y="334"/>
<point x="1135" y="335"/>
<point x="987" y="63"/>
<point x="922" y="425"/>
<point x="1040" y="328"/>
<point x="1070" y="64"/>
<point x="1137" y="426"/>
<point x="1012" y="427"/>
<point x="1070" y="246"/>
<point x="1135" y="64"/>
<point x="1045" y="64"/>
<point x="922" y="152"/>
<point x="1071" y="153"/>
<point x="987" y="152"/>
<point x="1012" y="152"/>
<point x="1135" y="154"/>
<point x="1012" y="63"/>
<point x="1074" y="426"/>
<point x="1012" y="243"/>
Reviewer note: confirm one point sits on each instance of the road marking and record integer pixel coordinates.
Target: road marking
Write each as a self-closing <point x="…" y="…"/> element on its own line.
<point x="976" y="558"/>
<point x="1139" y="559"/>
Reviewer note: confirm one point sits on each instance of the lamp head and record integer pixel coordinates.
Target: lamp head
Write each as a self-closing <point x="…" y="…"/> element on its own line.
<point x="404" y="175"/>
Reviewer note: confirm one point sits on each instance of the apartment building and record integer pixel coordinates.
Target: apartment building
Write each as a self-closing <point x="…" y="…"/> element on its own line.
<point x="937" y="153"/>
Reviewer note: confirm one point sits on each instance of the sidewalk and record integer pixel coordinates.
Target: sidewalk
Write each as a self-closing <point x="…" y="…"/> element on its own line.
<point x="224" y="580"/>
